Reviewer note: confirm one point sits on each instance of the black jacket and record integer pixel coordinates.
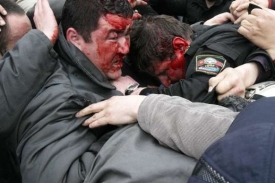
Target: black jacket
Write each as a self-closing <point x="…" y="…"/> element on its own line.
<point x="212" y="50"/>
<point x="192" y="11"/>
<point x="18" y="87"/>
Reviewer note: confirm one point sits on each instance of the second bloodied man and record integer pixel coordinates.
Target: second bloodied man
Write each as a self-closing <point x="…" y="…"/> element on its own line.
<point x="184" y="59"/>
<point x="53" y="146"/>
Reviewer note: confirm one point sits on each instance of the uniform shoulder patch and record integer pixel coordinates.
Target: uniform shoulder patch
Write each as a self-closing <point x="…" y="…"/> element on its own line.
<point x="210" y="64"/>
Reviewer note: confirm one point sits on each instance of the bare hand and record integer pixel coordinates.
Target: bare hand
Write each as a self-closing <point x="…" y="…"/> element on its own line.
<point x="45" y="20"/>
<point x="228" y="83"/>
<point x="116" y="111"/>
<point x="122" y="83"/>
<point x="239" y="11"/>
<point x="2" y="12"/>
<point x="234" y="81"/>
<point x="239" y="8"/>
<point x="135" y="3"/>
<point x="259" y="28"/>
<point x="220" y="19"/>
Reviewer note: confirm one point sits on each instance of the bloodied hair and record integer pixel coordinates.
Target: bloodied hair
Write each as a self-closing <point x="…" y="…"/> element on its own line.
<point x="12" y="9"/>
<point x="83" y="15"/>
<point x="152" y="40"/>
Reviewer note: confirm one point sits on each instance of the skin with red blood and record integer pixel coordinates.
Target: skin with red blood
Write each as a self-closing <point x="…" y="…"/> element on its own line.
<point x="170" y="71"/>
<point x="119" y="24"/>
<point x="173" y="70"/>
<point x="110" y="43"/>
<point x="54" y="36"/>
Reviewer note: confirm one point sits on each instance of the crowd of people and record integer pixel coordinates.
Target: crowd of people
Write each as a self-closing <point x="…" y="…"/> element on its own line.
<point x="136" y="91"/>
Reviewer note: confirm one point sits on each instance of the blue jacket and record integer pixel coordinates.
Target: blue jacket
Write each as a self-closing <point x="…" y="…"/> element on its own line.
<point x="246" y="153"/>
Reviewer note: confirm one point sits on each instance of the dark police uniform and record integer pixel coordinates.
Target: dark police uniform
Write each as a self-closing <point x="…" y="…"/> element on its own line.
<point x="192" y="11"/>
<point x="213" y="49"/>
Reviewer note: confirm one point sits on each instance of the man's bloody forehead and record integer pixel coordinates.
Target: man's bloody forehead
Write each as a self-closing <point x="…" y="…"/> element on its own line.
<point x="118" y="22"/>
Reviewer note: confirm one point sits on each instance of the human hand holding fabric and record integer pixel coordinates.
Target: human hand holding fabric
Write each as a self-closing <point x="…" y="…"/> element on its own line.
<point x="45" y="20"/>
<point x="259" y="28"/>
<point x="116" y="111"/>
<point x="239" y="8"/>
<point x="234" y="81"/>
<point x="220" y="19"/>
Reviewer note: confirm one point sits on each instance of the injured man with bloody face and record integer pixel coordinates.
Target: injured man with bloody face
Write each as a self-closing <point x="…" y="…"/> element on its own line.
<point x="53" y="145"/>
<point x="184" y="58"/>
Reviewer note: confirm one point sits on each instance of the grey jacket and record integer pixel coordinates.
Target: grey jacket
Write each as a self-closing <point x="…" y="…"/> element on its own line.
<point x="53" y="146"/>
<point x="17" y="88"/>
<point x="32" y="54"/>
<point x="182" y="125"/>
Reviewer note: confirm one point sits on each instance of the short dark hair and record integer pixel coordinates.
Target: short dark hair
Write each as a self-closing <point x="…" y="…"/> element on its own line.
<point x="83" y="15"/>
<point x="152" y="40"/>
<point x="12" y="8"/>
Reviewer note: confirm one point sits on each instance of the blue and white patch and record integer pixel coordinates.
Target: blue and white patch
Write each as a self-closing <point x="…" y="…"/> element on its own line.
<point x="210" y="64"/>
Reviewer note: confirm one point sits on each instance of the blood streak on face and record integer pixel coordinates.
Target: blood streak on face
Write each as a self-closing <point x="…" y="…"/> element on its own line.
<point x="178" y="67"/>
<point x="54" y="36"/>
<point x="109" y="45"/>
<point x="170" y="71"/>
<point x="118" y="22"/>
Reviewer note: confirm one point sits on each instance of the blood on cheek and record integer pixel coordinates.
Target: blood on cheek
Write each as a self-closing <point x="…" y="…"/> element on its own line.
<point x="178" y="63"/>
<point x="108" y="51"/>
<point x="106" y="54"/>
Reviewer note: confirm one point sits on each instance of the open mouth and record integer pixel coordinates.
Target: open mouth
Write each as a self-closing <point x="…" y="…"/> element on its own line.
<point x="117" y="62"/>
<point x="116" y="65"/>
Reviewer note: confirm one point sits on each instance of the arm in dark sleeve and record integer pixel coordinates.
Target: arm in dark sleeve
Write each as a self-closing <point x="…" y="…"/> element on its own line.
<point x="169" y="7"/>
<point x="23" y="72"/>
<point x="265" y="71"/>
<point x="265" y="65"/>
<point x="194" y="89"/>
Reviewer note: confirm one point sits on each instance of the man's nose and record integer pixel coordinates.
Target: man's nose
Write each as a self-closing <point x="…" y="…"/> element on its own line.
<point x="123" y="45"/>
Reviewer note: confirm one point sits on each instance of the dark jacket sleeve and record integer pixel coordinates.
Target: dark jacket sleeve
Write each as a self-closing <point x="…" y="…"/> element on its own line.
<point x="169" y="7"/>
<point x="265" y="65"/>
<point x="23" y="72"/>
<point x="194" y="89"/>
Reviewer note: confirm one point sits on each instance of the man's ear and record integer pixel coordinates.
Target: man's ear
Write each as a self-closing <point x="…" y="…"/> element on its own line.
<point x="73" y="37"/>
<point x="180" y="45"/>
